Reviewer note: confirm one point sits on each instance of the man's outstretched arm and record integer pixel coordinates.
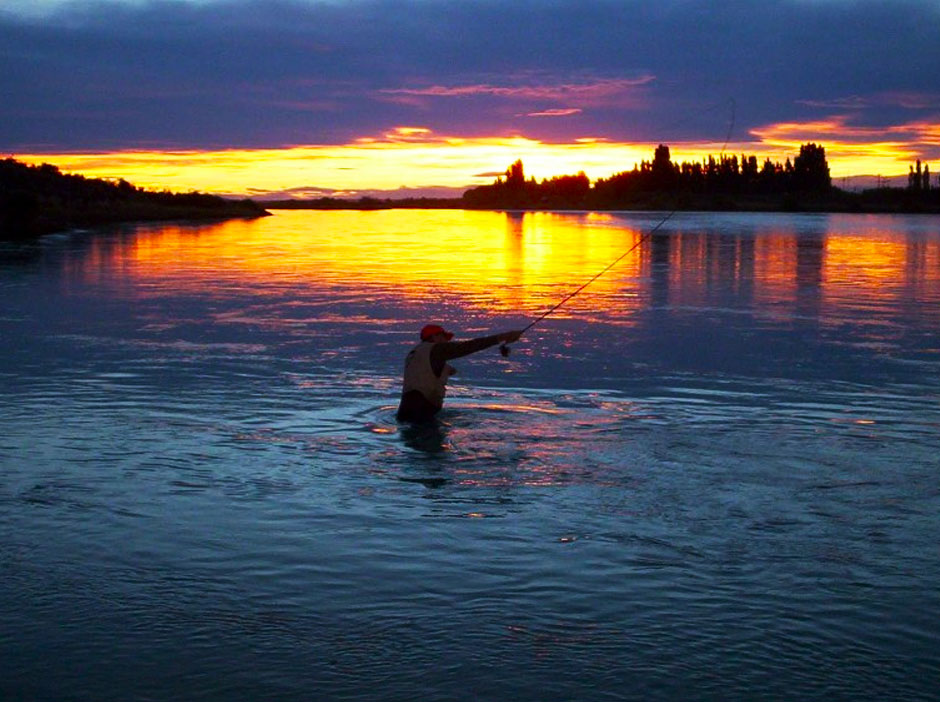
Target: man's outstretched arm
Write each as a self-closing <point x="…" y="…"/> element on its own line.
<point x="449" y="350"/>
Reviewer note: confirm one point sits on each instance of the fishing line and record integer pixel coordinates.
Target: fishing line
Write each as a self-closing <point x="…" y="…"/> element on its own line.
<point x="612" y="264"/>
<point x="504" y="348"/>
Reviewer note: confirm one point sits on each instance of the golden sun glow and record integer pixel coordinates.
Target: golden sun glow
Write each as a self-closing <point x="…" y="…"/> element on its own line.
<point x="403" y="157"/>
<point x="416" y="157"/>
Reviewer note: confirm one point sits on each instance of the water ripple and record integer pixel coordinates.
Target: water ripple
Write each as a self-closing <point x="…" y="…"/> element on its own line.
<point x="699" y="481"/>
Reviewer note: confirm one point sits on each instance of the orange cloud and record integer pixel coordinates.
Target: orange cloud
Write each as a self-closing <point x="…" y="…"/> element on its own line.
<point x="838" y="126"/>
<point x="560" y="112"/>
<point x="853" y="149"/>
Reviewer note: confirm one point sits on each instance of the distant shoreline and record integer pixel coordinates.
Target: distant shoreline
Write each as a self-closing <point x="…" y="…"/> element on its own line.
<point x="717" y="184"/>
<point x="880" y="201"/>
<point x="222" y="213"/>
<point x="39" y="200"/>
<point x="132" y="215"/>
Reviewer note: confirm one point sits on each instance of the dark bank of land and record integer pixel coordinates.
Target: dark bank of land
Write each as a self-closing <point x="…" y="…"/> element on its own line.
<point x="36" y="200"/>
<point x="725" y="183"/>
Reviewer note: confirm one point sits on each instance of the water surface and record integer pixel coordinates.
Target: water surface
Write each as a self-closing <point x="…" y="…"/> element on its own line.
<point x="712" y="475"/>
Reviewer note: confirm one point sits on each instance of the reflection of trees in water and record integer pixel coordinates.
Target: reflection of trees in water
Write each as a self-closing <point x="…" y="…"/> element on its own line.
<point x="660" y="246"/>
<point x="711" y="265"/>
<point x="810" y="258"/>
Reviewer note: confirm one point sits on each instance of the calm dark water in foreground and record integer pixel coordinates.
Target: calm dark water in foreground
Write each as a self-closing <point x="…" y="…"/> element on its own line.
<point x="714" y="475"/>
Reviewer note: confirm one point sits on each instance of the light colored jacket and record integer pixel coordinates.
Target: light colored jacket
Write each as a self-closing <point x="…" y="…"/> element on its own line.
<point x="419" y="375"/>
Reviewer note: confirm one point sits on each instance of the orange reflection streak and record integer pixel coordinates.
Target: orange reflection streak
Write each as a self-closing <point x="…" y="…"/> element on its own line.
<point x="518" y="264"/>
<point x="857" y="261"/>
<point x="854" y="263"/>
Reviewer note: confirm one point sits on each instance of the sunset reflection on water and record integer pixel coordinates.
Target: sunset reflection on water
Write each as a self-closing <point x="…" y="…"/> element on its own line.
<point x="490" y="261"/>
<point x="522" y="264"/>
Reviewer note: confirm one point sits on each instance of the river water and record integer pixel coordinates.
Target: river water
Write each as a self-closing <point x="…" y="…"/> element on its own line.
<point x="712" y="475"/>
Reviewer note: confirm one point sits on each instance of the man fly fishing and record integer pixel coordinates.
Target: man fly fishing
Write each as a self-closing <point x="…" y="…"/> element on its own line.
<point x="426" y="367"/>
<point x="427" y="370"/>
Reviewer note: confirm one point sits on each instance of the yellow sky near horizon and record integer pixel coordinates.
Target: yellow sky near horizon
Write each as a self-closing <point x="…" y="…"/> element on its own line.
<point x="415" y="157"/>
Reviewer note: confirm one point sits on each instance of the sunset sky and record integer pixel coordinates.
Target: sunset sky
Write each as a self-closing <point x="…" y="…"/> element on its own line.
<point x="318" y="97"/>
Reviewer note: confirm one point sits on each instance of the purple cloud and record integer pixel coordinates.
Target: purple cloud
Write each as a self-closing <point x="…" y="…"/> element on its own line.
<point x="247" y="73"/>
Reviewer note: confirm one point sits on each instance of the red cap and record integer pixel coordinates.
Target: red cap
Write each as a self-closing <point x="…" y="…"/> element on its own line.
<point x="429" y="330"/>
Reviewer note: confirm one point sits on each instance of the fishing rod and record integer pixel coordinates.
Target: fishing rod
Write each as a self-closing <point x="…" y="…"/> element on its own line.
<point x="504" y="348"/>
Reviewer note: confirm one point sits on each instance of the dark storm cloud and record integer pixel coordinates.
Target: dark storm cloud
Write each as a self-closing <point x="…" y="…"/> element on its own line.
<point x="250" y="73"/>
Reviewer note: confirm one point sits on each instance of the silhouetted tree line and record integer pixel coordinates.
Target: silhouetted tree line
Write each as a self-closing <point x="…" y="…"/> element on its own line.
<point x="726" y="175"/>
<point x="919" y="180"/>
<point x="517" y="192"/>
<point x="40" y="199"/>
<point x="691" y="182"/>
